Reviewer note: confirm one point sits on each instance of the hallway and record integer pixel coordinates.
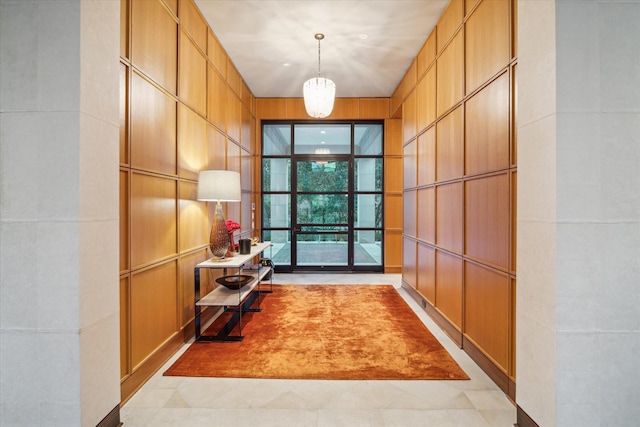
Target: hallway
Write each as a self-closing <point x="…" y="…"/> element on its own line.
<point x="185" y="402"/>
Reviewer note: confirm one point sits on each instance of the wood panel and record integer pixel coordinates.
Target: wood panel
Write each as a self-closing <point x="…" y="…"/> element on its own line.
<point x="487" y="311"/>
<point x="427" y="54"/>
<point x="427" y="157"/>
<point x="193" y="23"/>
<point x="271" y="108"/>
<point x="487" y="220"/>
<point x="217" y="143"/>
<point x="124" y="114"/>
<point x="216" y="99"/>
<point x="426" y="99"/>
<point x="410" y="165"/>
<point x="192" y="143"/>
<point x="487" y="47"/>
<point x="153" y="218"/>
<point x="409" y="262"/>
<point x="124" y="220"/>
<point x="450" y="146"/>
<point x="514" y="220"/>
<point x="469" y="5"/>
<point x="187" y="266"/>
<point x="393" y="251"/>
<point x="395" y="102"/>
<point x="153" y="128"/>
<point x="514" y="115"/>
<point x="449" y="22"/>
<point x="393" y="137"/>
<point x="512" y="329"/>
<point x="172" y="5"/>
<point x="246" y="171"/>
<point x="409" y="117"/>
<point x="234" y="79"/>
<point x="487" y="128"/>
<point x="409" y="213"/>
<point x="217" y="55"/>
<point x="373" y="108"/>
<point x="514" y="28"/>
<point x="392" y="174"/>
<point x="449" y="287"/>
<point x="247" y="98"/>
<point x="234" y="115"/>
<point x="125" y="338"/>
<point x="295" y="109"/>
<point x="393" y="211"/>
<point x="154" y="42"/>
<point x="449" y="217"/>
<point x="426" y="278"/>
<point x="193" y="76"/>
<point x="343" y="108"/>
<point x="124" y="28"/>
<point x="466" y="157"/>
<point x="245" y="126"/>
<point x="194" y="224"/>
<point x="427" y="215"/>
<point x="450" y="75"/>
<point x="410" y="78"/>
<point x="245" y="214"/>
<point x="153" y="310"/>
<point x="233" y="209"/>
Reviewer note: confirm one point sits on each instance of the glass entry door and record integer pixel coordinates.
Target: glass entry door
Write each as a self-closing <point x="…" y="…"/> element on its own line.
<point x="322" y="195"/>
<point x="321" y="219"/>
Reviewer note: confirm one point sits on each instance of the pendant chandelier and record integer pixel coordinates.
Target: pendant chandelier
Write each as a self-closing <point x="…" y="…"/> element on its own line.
<point x="319" y="92"/>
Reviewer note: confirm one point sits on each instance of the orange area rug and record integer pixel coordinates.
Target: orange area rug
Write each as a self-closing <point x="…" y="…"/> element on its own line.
<point x="354" y="332"/>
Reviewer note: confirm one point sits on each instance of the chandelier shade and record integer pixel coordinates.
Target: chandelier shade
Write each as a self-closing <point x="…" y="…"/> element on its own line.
<point x="319" y="92"/>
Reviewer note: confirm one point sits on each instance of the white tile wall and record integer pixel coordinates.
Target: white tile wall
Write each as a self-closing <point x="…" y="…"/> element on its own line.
<point x="59" y="239"/>
<point x="586" y="341"/>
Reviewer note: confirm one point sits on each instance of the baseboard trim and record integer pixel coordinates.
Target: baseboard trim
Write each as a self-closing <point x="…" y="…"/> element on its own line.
<point x="524" y="420"/>
<point x="112" y="419"/>
<point x="487" y="365"/>
<point x="444" y="324"/>
<point x="502" y="380"/>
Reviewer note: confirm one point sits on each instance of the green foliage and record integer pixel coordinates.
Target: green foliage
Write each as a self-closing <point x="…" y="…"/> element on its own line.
<point x="323" y="178"/>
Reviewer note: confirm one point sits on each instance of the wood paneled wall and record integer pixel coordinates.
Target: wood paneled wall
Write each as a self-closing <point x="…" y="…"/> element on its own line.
<point x="356" y="109"/>
<point x="457" y="104"/>
<point x="184" y="108"/>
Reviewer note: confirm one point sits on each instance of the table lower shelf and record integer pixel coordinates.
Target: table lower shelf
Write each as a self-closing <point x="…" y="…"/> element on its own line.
<point x="236" y="301"/>
<point x="224" y="334"/>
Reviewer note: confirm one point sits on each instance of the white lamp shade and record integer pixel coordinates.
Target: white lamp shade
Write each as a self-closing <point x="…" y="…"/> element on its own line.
<point x="219" y="185"/>
<point x="319" y="94"/>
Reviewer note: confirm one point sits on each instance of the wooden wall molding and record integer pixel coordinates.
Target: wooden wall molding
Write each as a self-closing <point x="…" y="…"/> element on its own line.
<point x="459" y="180"/>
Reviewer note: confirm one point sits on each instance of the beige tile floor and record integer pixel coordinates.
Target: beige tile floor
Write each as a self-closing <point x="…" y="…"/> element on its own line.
<point x="189" y="402"/>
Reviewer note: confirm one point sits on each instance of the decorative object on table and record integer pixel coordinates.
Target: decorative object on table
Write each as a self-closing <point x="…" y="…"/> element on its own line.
<point x="231" y="227"/>
<point x="319" y="92"/>
<point x="245" y="246"/>
<point x="219" y="186"/>
<point x="235" y="281"/>
<point x="255" y="241"/>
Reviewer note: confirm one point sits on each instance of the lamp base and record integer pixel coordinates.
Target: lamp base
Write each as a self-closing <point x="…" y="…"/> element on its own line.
<point x="219" y="237"/>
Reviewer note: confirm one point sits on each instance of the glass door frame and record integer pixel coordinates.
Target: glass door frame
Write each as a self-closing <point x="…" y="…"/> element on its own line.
<point x="296" y="225"/>
<point x="280" y="195"/>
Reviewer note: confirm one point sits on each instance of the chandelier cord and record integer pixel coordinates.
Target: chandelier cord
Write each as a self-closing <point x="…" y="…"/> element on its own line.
<point x="319" y="58"/>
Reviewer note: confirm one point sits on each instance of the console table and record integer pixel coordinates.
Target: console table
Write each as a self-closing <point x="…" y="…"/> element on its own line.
<point x="237" y="301"/>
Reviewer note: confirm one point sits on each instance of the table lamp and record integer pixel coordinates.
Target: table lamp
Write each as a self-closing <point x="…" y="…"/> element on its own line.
<point x="219" y="186"/>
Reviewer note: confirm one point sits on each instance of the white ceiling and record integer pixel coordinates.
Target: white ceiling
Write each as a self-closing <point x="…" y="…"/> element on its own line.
<point x="260" y="36"/>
